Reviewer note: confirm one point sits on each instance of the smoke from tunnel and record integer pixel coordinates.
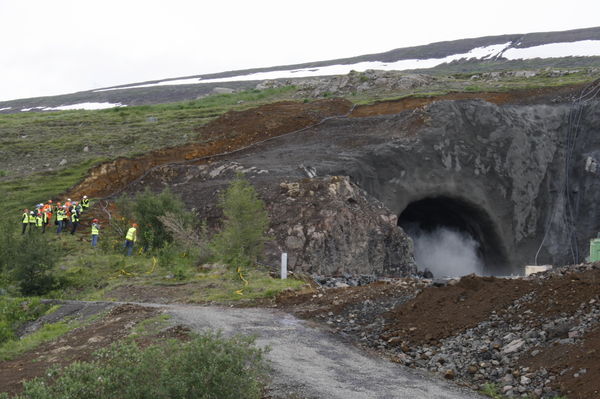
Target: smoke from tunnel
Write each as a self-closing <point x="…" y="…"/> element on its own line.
<point x="446" y="252"/>
<point x="453" y="237"/>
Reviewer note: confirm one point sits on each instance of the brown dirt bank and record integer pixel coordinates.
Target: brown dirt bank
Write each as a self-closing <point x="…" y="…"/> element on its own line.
<point x="230" y="132"/>
<point x="521" y="96"/>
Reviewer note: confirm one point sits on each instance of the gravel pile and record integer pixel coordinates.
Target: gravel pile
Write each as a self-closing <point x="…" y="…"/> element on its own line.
<point x="477" y="331"/>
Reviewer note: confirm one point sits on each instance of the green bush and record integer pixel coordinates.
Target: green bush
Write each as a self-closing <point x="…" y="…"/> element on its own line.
<point x="242" y="238"/>
<point x="208" y="366"/>
<point x="27" y="260"/>
<point x="147" y="208"/>
<point x="31" y="262"/>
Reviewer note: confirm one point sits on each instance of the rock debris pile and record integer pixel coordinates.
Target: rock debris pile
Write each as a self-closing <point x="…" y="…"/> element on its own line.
<point x="536" y="336"/>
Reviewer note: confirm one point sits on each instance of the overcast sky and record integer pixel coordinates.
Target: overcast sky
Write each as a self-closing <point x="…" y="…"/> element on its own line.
<point x="53" y="47"/>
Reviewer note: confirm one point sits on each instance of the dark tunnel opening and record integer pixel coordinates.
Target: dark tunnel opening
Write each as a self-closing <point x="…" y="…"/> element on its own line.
<point x="453" y="237"/>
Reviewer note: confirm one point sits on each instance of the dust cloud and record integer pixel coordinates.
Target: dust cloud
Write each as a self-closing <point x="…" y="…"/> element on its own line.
<point x="446" y="252"/>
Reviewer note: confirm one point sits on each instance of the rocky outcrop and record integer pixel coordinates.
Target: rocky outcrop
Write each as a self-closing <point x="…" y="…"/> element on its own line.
<point x="329" y="226"/>
<point x="326" y="225"/>
<point x="352" y="83"/>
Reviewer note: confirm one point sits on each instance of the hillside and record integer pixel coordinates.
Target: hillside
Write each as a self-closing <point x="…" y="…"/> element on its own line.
<point x="382" y="187"/>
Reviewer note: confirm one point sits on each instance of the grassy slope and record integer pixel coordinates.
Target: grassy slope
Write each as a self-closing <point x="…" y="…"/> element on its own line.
<point x="33" y="144"/>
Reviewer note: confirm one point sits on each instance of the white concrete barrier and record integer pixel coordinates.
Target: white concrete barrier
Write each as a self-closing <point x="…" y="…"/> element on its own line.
<point x="536" y="269"/>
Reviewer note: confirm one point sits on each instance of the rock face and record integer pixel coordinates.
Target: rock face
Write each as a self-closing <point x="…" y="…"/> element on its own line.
<point x="518" y="173"/>
<point x="329" y="226"/>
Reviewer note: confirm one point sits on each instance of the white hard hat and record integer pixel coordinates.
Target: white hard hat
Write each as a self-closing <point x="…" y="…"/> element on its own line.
<point x="85" y="196"/>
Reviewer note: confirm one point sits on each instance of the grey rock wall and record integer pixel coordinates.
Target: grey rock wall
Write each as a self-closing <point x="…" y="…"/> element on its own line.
<point x="499" y="170"/>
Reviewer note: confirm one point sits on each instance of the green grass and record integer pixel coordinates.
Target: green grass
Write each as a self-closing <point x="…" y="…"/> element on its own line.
<point x="31" y="143"/>
<point x="91" y="274"/>
<point x="11" y="349"/>
<point x="25" y="192"/>
<point x="152" y="325"/>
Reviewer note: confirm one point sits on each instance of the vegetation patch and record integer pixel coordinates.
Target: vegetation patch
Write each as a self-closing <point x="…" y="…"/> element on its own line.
<point x="208" y="366"/>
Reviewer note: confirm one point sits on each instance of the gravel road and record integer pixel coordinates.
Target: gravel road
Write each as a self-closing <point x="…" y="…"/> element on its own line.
<point x="309" y="362"/>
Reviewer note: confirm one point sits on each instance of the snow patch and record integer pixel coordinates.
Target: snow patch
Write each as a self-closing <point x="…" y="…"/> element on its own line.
<point x="553" y="50"/>
<point x="582" y="48"/>
<point x="188" y="81"/>
<point x="5" y="108"/>
<point x="86" y="106"/>
<point x="479" y="52"/>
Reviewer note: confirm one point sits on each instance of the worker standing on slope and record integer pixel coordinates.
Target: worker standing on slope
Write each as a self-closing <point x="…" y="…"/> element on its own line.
<point x="45" y="220"/>
<point x="25" y="220"/>
<point x="47" y="209"/>
<point x="131" y="238"/>
<point x="95" y="232"/>
<point x="85" y="203"/>
<point x="39" y="219"/>
<point x="74" y="220"/>
<point x="31" y="220"/>
<point x="60" y="218"/>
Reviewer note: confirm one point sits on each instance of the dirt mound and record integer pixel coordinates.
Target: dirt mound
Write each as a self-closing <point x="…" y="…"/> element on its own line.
<point x="577" y="366"/>
<point x="538" y="335"/>
<point x="464" y="305"/>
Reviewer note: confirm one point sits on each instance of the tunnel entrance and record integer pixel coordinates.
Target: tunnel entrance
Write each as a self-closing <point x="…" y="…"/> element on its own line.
<point x="453" y="237"/>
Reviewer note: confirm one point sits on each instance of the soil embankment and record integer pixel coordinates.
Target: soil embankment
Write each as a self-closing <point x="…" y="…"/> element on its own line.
<point x="537" y="335"/>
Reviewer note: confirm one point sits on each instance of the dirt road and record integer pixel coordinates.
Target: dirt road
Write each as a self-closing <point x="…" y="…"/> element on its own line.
<point x="311" y="363"/>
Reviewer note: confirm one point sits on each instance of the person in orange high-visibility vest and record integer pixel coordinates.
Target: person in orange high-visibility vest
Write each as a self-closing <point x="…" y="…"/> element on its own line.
<point x="47" y="209"/>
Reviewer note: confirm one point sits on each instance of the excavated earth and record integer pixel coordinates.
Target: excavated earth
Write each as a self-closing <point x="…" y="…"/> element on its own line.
<point x="537" y="336"/>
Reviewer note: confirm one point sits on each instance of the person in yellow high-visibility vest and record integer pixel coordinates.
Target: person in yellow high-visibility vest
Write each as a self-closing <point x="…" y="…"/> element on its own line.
<point x="39" y="219"/>
<point x="95" y="232"/>
<point x="60" y="218"/>
<point x="25" y="220"/>
<point x="131" y="238"/>
<point x="31" y="220"/>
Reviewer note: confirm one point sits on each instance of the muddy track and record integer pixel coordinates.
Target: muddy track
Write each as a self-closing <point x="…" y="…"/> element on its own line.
<point x="237" y="130"/>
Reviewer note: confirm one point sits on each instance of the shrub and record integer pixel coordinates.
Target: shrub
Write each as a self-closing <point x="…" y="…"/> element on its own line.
<point x="147" y="208"/>
<point x="208" y="366"/>
<point x="29" y="262"/>
<point x="242" y="238"/>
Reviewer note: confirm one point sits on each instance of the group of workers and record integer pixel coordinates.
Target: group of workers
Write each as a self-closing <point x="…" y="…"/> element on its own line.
<point x="66" y="217"/>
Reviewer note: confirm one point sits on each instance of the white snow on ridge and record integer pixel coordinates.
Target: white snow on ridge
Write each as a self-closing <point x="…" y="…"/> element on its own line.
<point x="188" y="81"/>
<point x="553" y="50"/>
<point x="479" y="52"/>
<point x="85" y="106"/>
<point x="583" y="48"/>
<point x="5" y="108"/>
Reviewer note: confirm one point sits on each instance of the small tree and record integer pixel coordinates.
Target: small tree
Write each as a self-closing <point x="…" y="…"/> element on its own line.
<point x="31" y="263"/>
<point x="147" y="208"/>
<point x="242" y="238"/>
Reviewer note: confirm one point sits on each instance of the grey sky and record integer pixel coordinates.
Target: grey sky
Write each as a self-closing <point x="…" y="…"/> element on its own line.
<point x="62" y="46"/>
